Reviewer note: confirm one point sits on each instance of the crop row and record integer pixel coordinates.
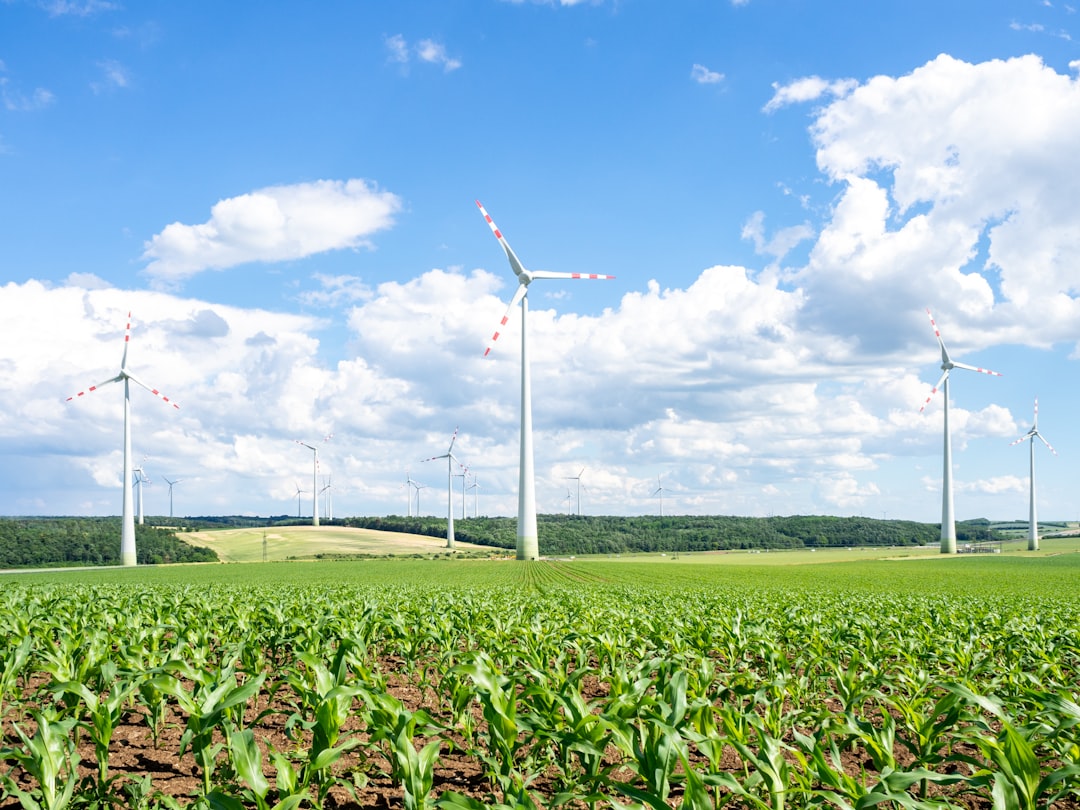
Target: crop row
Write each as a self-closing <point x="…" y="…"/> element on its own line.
<point x="544" y="688"/>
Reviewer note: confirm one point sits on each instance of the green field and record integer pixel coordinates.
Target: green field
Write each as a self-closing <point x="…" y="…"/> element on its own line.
<point x="866" y="679"/>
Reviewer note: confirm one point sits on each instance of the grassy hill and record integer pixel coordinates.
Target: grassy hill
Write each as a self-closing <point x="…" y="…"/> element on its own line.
<point x="322" y="542"/>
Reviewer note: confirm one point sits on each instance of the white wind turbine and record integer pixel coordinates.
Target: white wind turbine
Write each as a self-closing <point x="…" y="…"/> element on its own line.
<point x="1033" y="520"/>
<point x="462" y="475"/>
<point x="138" y="479"/>
<point x="948" y="517"/>
<point x="450" y="459"/>
<point x="299" y="492"/>
<point x="528" y="547"/>
<point x="475" y="487"/>
<point x="418" y="487"/>
<point x="660" y="491"/>
<point x="328" y="500"/>
<point x="409" y="484"/>
<point x="127" y="521"/>
<point x="171" y="485"/>
<point x="578" y="479"/>
<point x="314" y="479"/>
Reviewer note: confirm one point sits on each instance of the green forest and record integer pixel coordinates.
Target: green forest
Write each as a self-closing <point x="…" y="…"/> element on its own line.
<point x="63" y="541"/>
<point x="588" y="534"/>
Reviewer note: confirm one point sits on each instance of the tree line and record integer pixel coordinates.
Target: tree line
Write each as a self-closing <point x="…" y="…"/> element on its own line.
<point x="591" y="534"/>
<point x="77" y="541"/>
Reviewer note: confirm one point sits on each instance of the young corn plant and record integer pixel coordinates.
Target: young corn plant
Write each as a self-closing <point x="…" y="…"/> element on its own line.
<point x="101" y="715"/>
<point x="49" y="756"/>
<point x="393" y="727"/>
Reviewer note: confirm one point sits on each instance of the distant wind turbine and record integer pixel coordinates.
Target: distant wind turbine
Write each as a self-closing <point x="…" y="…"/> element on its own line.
<point x="578" y="479"/>
<point x="659" y="491"/>
<point x="948" y="516"/>
<point x="528" y="547"/>
<point x="328" y="501"/>
<point x="299" y="492"/>
<point x="171" y="485"/>
<point x="137" y="482"/>
<point x="1033" y="520"/>
<point x="462" y="476"/>
<point x="409" y="484"/>
<point x="450" y="459"/>
<point x="127" y="523"/>
<point x="314" y="479"/>
<point x="475" y="487"/>
<point x="418" y="488"/>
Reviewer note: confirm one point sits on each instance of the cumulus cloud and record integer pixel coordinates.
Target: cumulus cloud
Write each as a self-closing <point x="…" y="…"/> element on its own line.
<point x="272" y="224"/>
<point x="114" y="74"/>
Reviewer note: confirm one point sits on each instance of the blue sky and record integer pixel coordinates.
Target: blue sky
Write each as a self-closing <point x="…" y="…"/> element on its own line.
<point x="282" y="194"/>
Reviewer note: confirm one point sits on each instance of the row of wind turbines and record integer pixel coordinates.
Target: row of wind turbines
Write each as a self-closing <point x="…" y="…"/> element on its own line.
<point x="948" y="517"/>
<point x="527" y="545"/>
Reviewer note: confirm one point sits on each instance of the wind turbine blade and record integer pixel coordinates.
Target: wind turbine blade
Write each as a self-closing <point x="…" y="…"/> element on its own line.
<point x="934" y="390"/>
<point x="1027" y="435"/>
<point x="127" y="340"/>
<point x="92" y="388"/>
<point x="515" y="263"/>
<point x="553" y="274"/>
<point x="518" y="295"/>
<point x="976" y="368"/>
<point x="452" y="440"/>
<point x="153" y="391"/>
<point x="937" y="334"/>
<point x="1044" y="441"/>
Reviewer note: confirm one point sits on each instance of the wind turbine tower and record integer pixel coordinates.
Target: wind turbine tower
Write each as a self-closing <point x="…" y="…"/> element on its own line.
<point x="1033" y="520"/>
<point x="450" y="459"/>
<point x="137" y="482"/>
<point x="528" y="547"/>
<point x="948" y="515"/>
<point x="127" y="522"/>
<point x="299" y="492"/>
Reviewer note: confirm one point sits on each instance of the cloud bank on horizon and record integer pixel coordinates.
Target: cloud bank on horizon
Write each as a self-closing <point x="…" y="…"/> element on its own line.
<point x="786" y="384"/>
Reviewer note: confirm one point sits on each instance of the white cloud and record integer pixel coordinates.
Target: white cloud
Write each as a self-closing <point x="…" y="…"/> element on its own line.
<point x="702" y="75"/>
<point x="809" y="88"/>
<point x="115" y="75"/>
<point x="426" y="50"/>
<point x="434" y="52"/>
<point x="74" y="8"/>
<point x="272" y="224"/>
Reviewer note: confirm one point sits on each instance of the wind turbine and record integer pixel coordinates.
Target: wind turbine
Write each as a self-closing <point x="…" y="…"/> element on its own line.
<point x="475" y="487"/>
<point x="418" y="488"/>
<point x="462" y="476"/>
<point x="299" y="492"/>
<point x="660" y="491"/>
<point x="171" y="485"/>
<point x="127" y="521"/>
<point x="948" y="517"/>
<point x="138" y="479"/>
<point x="314" y="479"/>
<point x="1033" y="521"/>
<point x="528" y="547"/>
<point x="450" y="459"/>
<point x="578" y="479"/>
<point x="328" y="499"/>
<point x="409" y="484"/>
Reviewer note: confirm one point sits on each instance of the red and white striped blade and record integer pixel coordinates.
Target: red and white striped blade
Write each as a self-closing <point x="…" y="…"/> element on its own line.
<point x="151" y="389"/>
<point x="453" y="439"/>
<point x="1026" y="436"/>
<point x="1044" y="441"/>
<point x="937" y="334"/>
<point x="978" y="369"/>
<point x="93" y="388"/>
<point x="551" y="274"/>
<point x="518" y="295"/>
<point x="934" y="390"/>
<point x="515" y="263"/>
<point x="127" y="340"/>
